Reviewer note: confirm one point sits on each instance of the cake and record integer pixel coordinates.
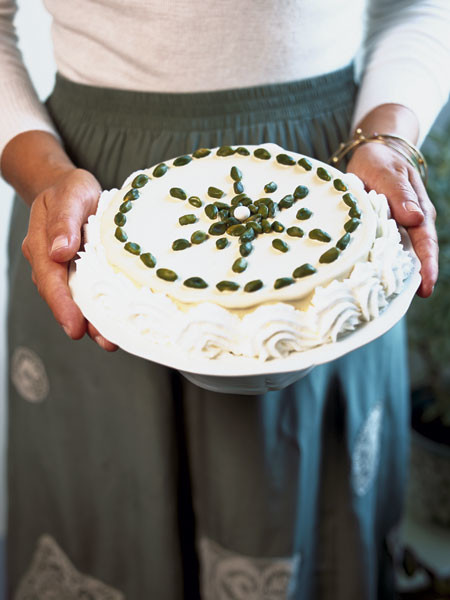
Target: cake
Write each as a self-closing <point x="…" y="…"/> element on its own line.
<point x="248" y="251"/>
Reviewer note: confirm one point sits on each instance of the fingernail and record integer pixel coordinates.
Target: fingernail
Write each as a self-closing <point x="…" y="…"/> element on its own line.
<point x="411" y="207"/>
<point x="60" y="242"/>
<point x="67" y="330"/>
<point x="100" y="341"/>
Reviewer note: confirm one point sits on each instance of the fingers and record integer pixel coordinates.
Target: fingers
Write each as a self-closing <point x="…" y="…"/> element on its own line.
<point x="100" y="340"/>
<point x="424" y="239"/>
<point x="50" y="277"/>
<point x="381" y="169"/>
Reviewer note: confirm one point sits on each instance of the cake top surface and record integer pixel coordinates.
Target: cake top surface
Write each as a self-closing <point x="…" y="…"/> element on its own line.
<point x="237" y="226"/>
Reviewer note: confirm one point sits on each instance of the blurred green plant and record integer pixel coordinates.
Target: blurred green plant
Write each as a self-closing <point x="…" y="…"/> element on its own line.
<point x="429" y="319"/>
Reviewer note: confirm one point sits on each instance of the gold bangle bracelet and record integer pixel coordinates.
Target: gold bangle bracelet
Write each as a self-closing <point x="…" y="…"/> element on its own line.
<point x="409" y="152"/>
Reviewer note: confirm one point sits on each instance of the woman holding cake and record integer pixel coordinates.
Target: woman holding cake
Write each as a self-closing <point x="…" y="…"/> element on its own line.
<point x="143" y="485"/>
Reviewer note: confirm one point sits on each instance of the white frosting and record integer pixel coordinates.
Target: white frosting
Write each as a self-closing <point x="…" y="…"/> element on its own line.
<point x="153" y="224"/>
<point x="265" y="324"/>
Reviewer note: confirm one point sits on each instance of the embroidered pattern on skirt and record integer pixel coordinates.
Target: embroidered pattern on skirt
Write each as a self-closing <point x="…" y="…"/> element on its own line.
<point x="52" y="576"/>
<point x="226" y="575"/>
<point x="28" y="375"/>
<point x="366" y="452"/>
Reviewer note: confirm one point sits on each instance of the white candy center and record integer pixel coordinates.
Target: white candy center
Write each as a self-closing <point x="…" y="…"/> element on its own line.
<point x="241" y="213"/>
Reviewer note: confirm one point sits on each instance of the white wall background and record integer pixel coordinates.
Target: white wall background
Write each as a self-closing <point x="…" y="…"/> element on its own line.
<point x="33" y="26"/>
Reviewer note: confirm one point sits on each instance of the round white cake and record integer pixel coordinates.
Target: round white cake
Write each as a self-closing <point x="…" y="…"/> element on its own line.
<point x="250" y="251"/>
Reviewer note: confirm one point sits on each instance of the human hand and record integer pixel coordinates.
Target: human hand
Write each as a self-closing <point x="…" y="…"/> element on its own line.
<point x="53" y="239"/>
<point x="381" y="168"/>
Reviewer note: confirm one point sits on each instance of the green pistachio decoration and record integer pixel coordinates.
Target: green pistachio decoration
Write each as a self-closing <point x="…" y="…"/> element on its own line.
<point x="211" y="211"/>
<point x="217" y="229"/>
<point x="300" y="192"/>
<point x="235" y="174"/>
<point x="227" y="286"/>
<point x="125" y="207"/>
<point x="262" y="154"/>
<point x="148" y="259"/>
<point x="295" y="232"/>
<point x="166" y="274"/>
<point x="303" y="214"/>
<point x="221" y="243"/>
<point x="285" y="159"/>
<point x="257" y="227"/>
<point x="266" y="226"/>
<point x="303" y="271"/>
<point x="354" y="212"/>
<point x="253" y="286"/>
<point x="195" y="282"/>
<point x="280" y="245"/>
<point x="239" y="265"/>
<point x="195" y="201"/>
<point x="201" y="153"/>
<point x="214" y="192"/>
<point x="323" y="174"/>
<point x="349" y="200"/>
<point x="270" y="187"/>
<point x="178" y="193"/>
<point x="263" y="210"/>
<point x="305" y="164"/>
<point x="248" y="235"/>
<point x="181" y="244"/>
<point x="286" y="202"/>
<point x="242" y="151"/>
<point x="329" y="256"/>
<point x="339" y="185"/>
<point x="133" y="248"/>
<point x="245" y="249"/>
<point x="238" y="187"/>
<point x="182" y="160"/>
<point x="160" y="170"/>
<point x="120" y="234"/>
<point x="282" y="282"/>
<point x="236" y="230"/>
<point x="351" y="225"/>
<point x="187" y="219"/>
<point x="132" y="194"/>
<point x="277" y="226"/>
<point x="225" y="151"/>
<point x="120" y="219"/>
<point x="320" y="235"/>
<point x="343" y="242"/>
<point x="139" y="181"/>
<point x="198" y="237"/>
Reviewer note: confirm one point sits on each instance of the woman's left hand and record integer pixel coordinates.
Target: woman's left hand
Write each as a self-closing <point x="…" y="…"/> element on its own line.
<point x="384" y="170"/>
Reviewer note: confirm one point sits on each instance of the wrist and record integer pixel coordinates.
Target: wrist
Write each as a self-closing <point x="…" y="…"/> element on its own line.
<point x="34" y="161"/>
<point x="392" y="119"/>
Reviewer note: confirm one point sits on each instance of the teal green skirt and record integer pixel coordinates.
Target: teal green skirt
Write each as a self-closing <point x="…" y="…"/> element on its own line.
<point x="128" y="481"/>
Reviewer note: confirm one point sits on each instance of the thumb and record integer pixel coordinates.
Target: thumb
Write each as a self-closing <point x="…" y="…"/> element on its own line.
<point x="68" y="208"/>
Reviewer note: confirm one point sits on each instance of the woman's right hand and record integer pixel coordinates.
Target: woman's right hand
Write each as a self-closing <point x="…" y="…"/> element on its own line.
<point x="62" y="197"/>
<point x="54" y="236"/>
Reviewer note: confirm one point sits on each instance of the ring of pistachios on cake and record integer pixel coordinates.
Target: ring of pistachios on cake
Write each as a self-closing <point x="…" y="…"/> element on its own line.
<point x="237" y="217"/>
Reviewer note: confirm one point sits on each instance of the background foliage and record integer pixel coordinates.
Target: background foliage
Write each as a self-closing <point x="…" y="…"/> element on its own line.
<point x="429" y="319"/>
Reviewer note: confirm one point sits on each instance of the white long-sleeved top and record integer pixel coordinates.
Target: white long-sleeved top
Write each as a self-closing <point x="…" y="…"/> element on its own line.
<point x="179" y="46"/>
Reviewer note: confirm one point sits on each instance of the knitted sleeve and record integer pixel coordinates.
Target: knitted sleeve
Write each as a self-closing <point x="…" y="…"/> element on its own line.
<point x="406" y="58"/>
<point x="20" y="108"/>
